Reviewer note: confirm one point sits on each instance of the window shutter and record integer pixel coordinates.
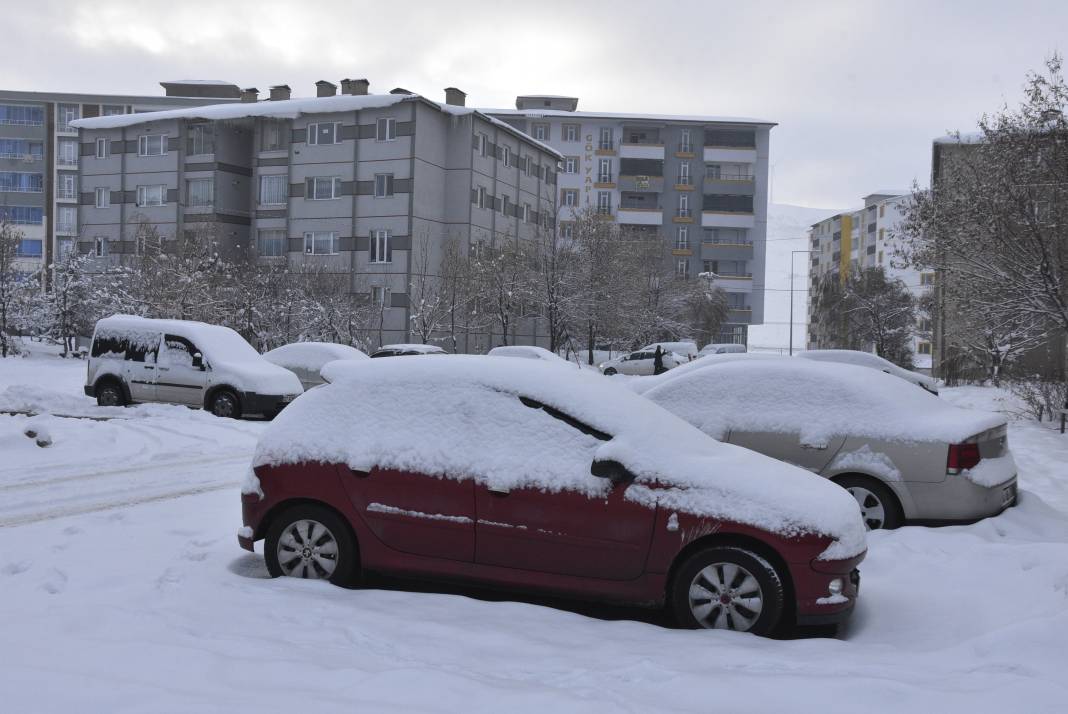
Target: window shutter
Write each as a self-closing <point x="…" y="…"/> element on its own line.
<point x="389" y="246"/>
<point x="337" y="187"/>
<point x="309" y="188"/>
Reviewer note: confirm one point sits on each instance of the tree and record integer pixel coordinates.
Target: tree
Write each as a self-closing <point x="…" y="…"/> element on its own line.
<point x="427" y="295"/>
<point x="69" y="309"/>
<point x="13" y="285"/>
<point x="995" y="222"/>
<point x="503" y="275"/>
<point x="867" y="311"/>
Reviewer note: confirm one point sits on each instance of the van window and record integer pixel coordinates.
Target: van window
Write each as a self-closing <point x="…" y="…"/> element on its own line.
<point x="178" y="351"/>
<point x="131" y="346"/>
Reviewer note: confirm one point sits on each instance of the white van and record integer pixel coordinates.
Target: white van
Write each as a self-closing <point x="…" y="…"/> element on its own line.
<point x="137" y="359"/>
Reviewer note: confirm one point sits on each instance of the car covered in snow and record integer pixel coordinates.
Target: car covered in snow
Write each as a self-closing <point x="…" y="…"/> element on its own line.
<point x="534" y="478"/>
<point x="641" y="363"/>
<point x="305" y="359"/>
<point x="407" y="350"/>
<point x="872" y="361"/>
<point x="905" y="455"/>
<point x="530" y="352"/>
<point x="721" y="348"/>
<point x="136" y="359"/>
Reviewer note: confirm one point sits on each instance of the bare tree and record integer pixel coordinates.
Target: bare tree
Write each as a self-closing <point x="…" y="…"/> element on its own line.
<point x="13" y="283"/>
<point x="428" y="297"/>
<point x="867" y="311"/>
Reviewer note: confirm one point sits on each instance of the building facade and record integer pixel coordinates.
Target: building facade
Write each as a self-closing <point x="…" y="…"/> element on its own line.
<point x="357" y="185"/>
<point x="701" y="183"/>
<point x="39" y="156"/>
<point x="866" y="237"/>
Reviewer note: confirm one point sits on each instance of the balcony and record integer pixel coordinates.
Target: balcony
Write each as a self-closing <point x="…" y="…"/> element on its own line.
<point x="640" y="216"/>
<point x="68" y="229"/>
<point x="683" y="182"/>
<point x="605" y="181"/>
<point x="644" y="184"/>
<point x="730" y="154"/>
<point x="685" y="148"/>
<point x="740" y="315"/>
<point x="641" y="151"/>
<point x="726" y="251"/>
<point x="717" y="219"/>
<point x="606" y="147"/>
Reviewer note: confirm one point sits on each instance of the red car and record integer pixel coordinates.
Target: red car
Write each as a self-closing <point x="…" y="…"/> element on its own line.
<point x="528" y="477"/>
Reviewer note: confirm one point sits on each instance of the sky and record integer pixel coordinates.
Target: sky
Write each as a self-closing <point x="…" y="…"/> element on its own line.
<point x="858" y="89"/>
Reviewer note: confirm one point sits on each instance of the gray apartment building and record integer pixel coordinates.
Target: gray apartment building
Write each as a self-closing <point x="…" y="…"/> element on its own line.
<point x="352" y="184"/>
<point x="700" y="182"/>
<point x="39" y="156"/>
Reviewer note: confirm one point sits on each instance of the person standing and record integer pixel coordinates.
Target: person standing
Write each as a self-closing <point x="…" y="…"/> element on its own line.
<point x="658" y="361"/>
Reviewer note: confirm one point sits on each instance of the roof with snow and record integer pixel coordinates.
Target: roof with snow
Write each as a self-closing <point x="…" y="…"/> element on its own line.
<point x="557" y="113"/>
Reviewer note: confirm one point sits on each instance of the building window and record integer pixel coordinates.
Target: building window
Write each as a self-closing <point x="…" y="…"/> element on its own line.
<point x="570" y="197"/>
<point x="506" y="206"/>
<point x="685" y="141"/>
<point x="527" y="213"/>
<point x="201" y="139"/>
<point x="684" y="205"/>
<point x="682" y="238"/>
<point x="567" y="231"/>
<point x="66" y="186"/>
<point x="323" y="188"/>
<point x="103" y="198"/>
<point x="682" y="267"/>
<point x="100" y="246"/>
<point x="65" y="114"/>
<point x="21" y="149"/>
<point x="571" y="165"/>
<point x="684" y="173"/>
<point x="151" y="145"/>
<point x="200" y="192"/>
<point x="110" y="110"/>
<point x="480" y="197"/>
<point x="271" y="243"/>
<point x="927" y="279"/>
<point x="604" y="203"/>
<point x="324" y="133"/>
<point x="605" y="142"/>
<point x="571" y="132"/>
<point x="881" y="233"/>
<point x="386" y="129"/>
<point x="274" y="135"/>
<point x="22" y="215"/>
<point x="541" y="132"/>
<point x="17" y="182"/>
<point x="736" y="301"/>
<point x="29" y="248"/>
<point x="380" y="297"/>
<point x="102" y="148"/>
<point x="923" y="348"/>
<point x="20" y="115"/>
<point x="604" y="171"/>
<point x="882" y="211"/>
<point x="273" y="190"/>
<point x="67" y="152"/>
<point x="151" y="195"/>
<point x="483" y="144"/>
<point x="383" y="185"/>
<point x="713" y="171"/>
<point x="320" y="243"/>
<point x="381" y="250"/>
<point x="67" y="219"/>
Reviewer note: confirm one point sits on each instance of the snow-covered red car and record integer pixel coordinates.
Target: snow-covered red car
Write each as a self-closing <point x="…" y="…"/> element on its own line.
<point x="523" y="475"/>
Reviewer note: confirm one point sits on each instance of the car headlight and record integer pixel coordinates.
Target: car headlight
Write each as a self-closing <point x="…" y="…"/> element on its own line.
<point x="835" y="586"/>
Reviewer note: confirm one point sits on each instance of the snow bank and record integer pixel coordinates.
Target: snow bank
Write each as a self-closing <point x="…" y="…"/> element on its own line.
<point x="819" y="400"/>
<point x="461" y="417"/>
<point x="311" y="355"/>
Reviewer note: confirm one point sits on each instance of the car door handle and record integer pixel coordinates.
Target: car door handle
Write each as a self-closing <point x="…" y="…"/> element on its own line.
<point x="814" y="447"/>
<point x="164" y="369"/>
<point x="149" y="366"/>
<point x="499" y="492"/>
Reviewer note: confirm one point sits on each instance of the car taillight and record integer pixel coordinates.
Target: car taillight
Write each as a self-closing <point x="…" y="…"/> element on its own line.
<point x="961" y="457"/>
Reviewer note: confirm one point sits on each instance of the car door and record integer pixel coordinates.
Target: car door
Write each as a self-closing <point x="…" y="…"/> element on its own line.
<point x="178" y="381"/>
<point x="139" y="366"/>
<point x="639" y="363"/>
<point x="590" y="530"/>
<point x="414" y="513"/>
<point x="788" y="447"/>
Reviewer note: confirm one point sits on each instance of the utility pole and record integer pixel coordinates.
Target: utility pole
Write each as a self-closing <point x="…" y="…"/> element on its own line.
<point x="792" y="254"/>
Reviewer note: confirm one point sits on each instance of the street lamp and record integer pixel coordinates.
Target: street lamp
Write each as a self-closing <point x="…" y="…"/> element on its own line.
<point x="792" y="254"/>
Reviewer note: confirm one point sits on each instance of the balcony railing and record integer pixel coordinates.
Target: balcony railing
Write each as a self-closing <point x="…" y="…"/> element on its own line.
<point x="604" y="178"/>
<point x="67" y="161"/>
<point x="685" y="213"/>
<point x="606" y="145"/>
<point x="724" y="240"/>
<point x="685" y="147"/>
<point x="736" y="176"/>
<point x="66" y="228"/>
<point x="681" y="180"/>
<point x="66" y="195"/>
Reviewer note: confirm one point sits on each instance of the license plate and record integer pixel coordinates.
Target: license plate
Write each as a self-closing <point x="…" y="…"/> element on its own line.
<point x="1008" y="495"/>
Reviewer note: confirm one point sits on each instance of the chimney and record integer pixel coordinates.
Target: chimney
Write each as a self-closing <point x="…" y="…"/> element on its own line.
<point x="279" y="92"/>
<point x="354" y="86"/>
<point x="250" y="94"/>
<point x="325" y="89"/>
<point x="400" y="90"/>
<point x="455" y="96"/>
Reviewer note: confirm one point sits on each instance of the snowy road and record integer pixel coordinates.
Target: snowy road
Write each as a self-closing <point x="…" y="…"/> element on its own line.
<point x="123" y="590"/>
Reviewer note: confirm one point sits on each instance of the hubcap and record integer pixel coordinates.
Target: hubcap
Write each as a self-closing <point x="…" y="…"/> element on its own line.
<point x="871" y="508"/>
<point x="109" y="397"/>
<point x="726" y="596"/>
<point x="307" y="549"/>
<point x="224" y="406"/>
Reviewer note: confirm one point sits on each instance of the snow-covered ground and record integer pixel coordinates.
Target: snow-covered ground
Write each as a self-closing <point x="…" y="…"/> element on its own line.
<point x="122" y="589"/>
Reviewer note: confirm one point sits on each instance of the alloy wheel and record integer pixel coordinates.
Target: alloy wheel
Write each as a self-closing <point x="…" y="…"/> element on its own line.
<point x="307" y="549"/>
<point x="223" y="406"/>
<point x="726" y="596"/>
<point x="872" y="509"/>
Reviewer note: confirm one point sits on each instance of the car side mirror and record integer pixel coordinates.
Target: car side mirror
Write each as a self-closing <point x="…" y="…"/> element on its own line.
<point x="198" y="361"/>
<point x="614" y="471"/>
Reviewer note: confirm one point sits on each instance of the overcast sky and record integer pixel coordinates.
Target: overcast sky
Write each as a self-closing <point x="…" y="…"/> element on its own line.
<point x="858" y="88"/>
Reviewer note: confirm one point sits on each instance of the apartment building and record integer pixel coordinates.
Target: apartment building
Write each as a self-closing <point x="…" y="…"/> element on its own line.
<point x="701" y="183"/>
<point x="866" y="237"/>
<point x="39" y="156"/>
<point x="356" y="185"/>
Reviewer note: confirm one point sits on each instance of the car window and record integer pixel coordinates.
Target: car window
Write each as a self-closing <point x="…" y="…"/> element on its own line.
<point x="128" y="345"/>
<point x="566" y="418"/>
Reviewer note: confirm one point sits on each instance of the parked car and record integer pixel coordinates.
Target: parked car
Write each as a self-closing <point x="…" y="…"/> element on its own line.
<point x="402" y="350"/>
<point x="903" y="454"/>
<point x="136" y="359"/>
<point x="641" y="362"/>
<point x="867" y="359"/>
<point x="688" y="350"/>
<point x="535" y="478"/>
<point x="305" y="359"/>
<point x="530" y="352"/>
<point x="721" y="349"/>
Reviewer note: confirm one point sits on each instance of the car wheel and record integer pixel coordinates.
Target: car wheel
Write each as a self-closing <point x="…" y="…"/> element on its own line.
<point x="224" y="404"/>
<point x="609" y="371"/>
<point x="311" y="542"/>
<point x="728" y="588"/>
<point x="878" y="505"/>
<point x="110" y="394"/>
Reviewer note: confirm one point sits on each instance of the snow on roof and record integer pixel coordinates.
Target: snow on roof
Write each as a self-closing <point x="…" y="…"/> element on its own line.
<point x="311" y="355"/>
<point x="971" y="137"/>
<point x="413" y="346"/>
<point x="559" y="113"/>
<point x="819" y="400"/>
<point x="462" y="417"/>
<point x="897" y="192"/>
<point x="871" y="361"/>
<point x="199" y="81"/>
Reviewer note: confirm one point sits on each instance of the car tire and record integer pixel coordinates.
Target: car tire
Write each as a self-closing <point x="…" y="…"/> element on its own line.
<point x="110" y="394"/>
<point x="728" y="587"/>
<point x="311" y="542"/>
<point x="879" y="507"/>
<point x="609" y="371"/>
<point x="224" y="404"/>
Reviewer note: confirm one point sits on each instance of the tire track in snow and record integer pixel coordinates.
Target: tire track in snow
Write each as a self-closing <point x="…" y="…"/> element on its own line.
<point x="104" y="473"/>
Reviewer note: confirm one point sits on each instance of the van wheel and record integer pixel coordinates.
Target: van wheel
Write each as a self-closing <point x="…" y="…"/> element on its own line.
<point x="878" y="506"/>
<point x="310" y="541"/>
<point x="609" y="371"/>
<point x="109" y="394"/>
<point x="728" y="588"/>
<point x="224" y="404"/>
